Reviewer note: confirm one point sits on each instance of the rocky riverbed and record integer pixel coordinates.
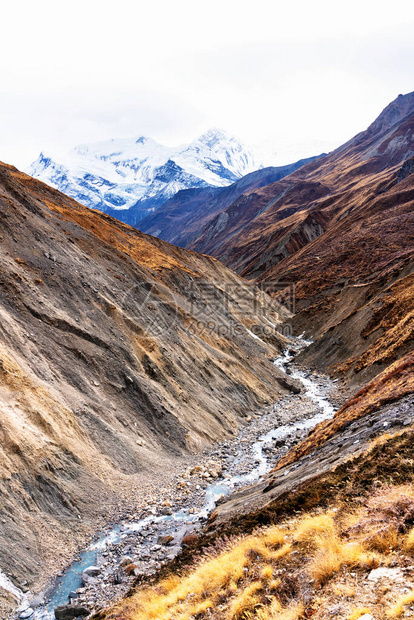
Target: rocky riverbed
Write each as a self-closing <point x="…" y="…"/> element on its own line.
<point x="148" y="538"/>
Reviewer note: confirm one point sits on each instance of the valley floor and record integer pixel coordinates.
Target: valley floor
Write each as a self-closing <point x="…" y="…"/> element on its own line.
<point x="177" y="503"/>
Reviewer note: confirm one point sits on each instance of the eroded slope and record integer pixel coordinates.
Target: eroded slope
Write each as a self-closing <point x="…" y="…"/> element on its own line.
<point x="119" y="353"/>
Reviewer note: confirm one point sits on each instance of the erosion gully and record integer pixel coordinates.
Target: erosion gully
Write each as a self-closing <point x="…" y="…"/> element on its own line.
<point x="248" y="463"/>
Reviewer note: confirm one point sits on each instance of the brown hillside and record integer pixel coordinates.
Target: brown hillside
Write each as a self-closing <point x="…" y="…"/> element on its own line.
<point x="341" y="230"/>
<point x="107" y="372"/>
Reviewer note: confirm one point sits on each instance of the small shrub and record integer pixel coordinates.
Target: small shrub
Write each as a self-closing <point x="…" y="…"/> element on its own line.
<point x="312" y="529"/>
<point x="273" y="537"/>
<point x="331" y="557"/>
<point x="342" y="589"/>
<point x="289" y="589"/>
<point x="200" y="608"/>
<point x="276" y="611"/>
<point x="280" y="553"/>
<point x="267" y="572"/>
<point x="388" y="514"/>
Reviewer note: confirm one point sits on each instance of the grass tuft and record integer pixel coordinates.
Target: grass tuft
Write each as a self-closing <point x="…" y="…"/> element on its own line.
<point x="246" y="602"/>
<point x="397" y="610"/>
<point x="358" y="613"/>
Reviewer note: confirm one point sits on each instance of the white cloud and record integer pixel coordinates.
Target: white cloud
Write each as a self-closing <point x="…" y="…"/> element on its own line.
<point x="303" y="73"/>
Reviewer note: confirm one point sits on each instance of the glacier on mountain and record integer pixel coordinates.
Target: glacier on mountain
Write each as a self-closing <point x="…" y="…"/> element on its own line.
<point x="130" y="178"/>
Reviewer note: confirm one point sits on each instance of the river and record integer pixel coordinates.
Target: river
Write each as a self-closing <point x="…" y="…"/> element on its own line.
<point x="71" y="579"/>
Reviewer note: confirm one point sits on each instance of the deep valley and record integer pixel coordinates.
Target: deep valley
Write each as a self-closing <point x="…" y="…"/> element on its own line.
<point x="219" y="429"/>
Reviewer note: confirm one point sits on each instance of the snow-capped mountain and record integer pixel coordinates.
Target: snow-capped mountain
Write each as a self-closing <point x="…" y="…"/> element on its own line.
<point x="130" y="178"/>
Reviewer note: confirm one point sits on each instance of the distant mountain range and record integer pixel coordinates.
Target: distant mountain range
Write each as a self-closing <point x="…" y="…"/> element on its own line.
<point x="130" y="178"/>
<point x="180" y="219"/>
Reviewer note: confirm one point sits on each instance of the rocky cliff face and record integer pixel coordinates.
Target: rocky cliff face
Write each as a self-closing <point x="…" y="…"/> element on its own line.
<point x="119" y="354"/>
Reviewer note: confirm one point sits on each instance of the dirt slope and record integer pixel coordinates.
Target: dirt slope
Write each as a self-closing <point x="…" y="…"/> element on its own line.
<point x="118" y="354"/>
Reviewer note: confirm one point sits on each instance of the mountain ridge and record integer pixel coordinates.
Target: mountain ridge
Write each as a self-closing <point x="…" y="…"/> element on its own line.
<point x="180" y="219"/>
<point x="386" y="143"/>
<point x="128" y="178"/>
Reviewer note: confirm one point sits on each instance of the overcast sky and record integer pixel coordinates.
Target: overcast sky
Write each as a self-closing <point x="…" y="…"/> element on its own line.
<point x="294" y="77"/>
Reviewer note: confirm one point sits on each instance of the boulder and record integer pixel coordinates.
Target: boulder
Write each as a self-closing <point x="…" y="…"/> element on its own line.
<point x="92" y="571"/>
<point x="118" y="577"/>
<point x="189" y="539"/>
<point x="125" y="561"/>
<point x="165" y="540"/>
<point x="142" y="568"/>
<point x="392" y="574"/>
<point x="36" y="601"/>
<point x="87" y="580"/>
<point x="70" y="612"/>
<point x="166" y="511"/>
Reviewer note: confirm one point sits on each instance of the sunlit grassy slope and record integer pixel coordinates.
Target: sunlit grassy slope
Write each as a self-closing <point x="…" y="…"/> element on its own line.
<point x="305" y="563"/>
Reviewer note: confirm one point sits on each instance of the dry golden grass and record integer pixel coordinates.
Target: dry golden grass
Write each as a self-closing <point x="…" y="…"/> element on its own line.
<point x="201" y="607"/>
<point x="331" y="553"/>
<point x="357" y="613"/>
<point x="275" y="611"/>
<point x="312" y="529"/>
<point x="274" y="537"/>
<point x="239" y="576"/>
<point x="246" y="601"/>
<point x="384" y="541"/>
<point x="267" y="572"/>
<point x="343" y="590"/>
<point x="268" y="575"/>
<point x="335" y="554"/>
<point x="274" y="585"/>
<point x="218" y="577"/>
<point x="397" y="610"/>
